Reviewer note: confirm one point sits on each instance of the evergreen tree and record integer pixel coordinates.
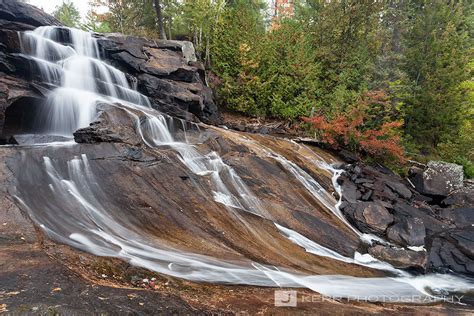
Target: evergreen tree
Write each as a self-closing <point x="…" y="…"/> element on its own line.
<point x="435" y="60"/>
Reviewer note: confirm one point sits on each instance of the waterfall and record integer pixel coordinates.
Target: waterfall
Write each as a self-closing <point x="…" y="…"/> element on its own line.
<point x="83" y="79"/>
<point x="75" y="210"/>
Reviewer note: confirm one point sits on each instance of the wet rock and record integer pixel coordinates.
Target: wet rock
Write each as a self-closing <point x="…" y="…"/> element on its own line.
<point x="372" y="217"/>
<point x="134" y="153"/>
<point x="349" y="190"/>
<point x="399" y="257"/>
<point x="173" y="110"/>
<point x="193" y="98"/>
<point x="167" y="72"/>
<point x="440" y="178"/>
<point x="452" y="250"/>
<point x="408" y="231"/>
<point x="113" y="125"/>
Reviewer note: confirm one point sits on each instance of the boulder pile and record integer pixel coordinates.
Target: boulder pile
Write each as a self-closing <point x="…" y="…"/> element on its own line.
<point x="426" y="219"/>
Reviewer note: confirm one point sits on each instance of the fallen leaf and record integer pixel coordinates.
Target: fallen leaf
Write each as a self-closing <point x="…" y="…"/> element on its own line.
<point x="56" y="289"/>
<point x="13" y="293"/>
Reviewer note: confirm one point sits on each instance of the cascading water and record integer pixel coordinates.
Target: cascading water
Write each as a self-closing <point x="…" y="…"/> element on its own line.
<point x="83" y="79"/>
<point x="74" y="209"/>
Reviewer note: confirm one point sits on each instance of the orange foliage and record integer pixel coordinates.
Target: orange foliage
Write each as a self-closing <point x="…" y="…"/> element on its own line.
<point x="349" y="130"/>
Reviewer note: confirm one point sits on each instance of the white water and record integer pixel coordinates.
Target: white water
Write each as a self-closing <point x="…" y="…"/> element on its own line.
<point x="84" y="81"/>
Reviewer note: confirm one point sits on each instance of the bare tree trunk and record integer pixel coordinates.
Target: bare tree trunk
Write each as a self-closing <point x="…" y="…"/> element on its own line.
<point x="156" y="4"/>
<point x="208" y="53"/>
<point x="169" y="27"/>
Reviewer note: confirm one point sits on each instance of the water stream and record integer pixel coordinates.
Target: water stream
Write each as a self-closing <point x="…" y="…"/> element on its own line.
<point x="79" y="214"/>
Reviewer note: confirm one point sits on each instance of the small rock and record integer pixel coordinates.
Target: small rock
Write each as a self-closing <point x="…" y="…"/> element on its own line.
<point x="367" y="195"/>
<point x="400" y="189"/>
<point x="349" y="191"/>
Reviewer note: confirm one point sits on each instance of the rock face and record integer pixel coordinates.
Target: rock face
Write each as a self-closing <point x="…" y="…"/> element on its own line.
<point x="167" y="72"/>
<point x="452" y="250"/>
<point x="440" y="178"/>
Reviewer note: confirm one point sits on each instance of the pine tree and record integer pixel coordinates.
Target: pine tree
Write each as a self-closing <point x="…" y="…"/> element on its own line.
<point x="436" y="57"/>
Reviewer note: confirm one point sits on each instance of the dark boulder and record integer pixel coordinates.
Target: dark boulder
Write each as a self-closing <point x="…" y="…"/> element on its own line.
<point x="194" y="98"/>
<point x="402" y="209"/>
<point x="173" y="110"/>
<point x="371" y="217"/>
<point x="348" y="156"/>
<point x="452" y="250"/>
<point x="399" y="188"/>
<point x="399" y="257"/>
<point x="438" y="179"/>
<point x="409" y="231"/>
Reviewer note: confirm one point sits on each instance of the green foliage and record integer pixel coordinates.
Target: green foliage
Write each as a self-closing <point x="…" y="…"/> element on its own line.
<point x="68" y="14"/>
<point x="435" y="61"/>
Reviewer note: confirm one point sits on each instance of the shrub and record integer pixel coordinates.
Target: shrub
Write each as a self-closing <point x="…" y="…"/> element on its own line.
<point x="364" y="128"/>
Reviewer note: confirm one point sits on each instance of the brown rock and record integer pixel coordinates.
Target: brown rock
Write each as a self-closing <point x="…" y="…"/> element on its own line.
<point x="398" y="257"/>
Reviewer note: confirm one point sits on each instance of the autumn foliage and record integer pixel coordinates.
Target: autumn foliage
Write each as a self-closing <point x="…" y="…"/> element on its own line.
<point x="356" y="130"/>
